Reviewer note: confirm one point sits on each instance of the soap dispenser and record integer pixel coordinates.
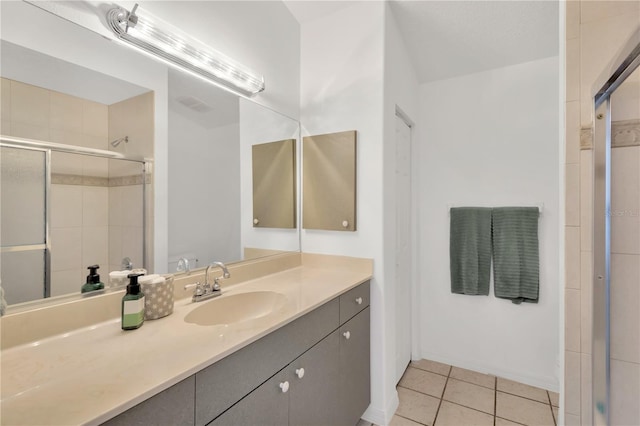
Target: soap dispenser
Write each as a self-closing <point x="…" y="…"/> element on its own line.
<point x="93" y="280"/>
<point x="133" y="305"/>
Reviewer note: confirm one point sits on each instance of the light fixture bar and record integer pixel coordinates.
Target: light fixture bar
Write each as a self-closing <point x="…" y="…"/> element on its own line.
<point x="158" y="38"/>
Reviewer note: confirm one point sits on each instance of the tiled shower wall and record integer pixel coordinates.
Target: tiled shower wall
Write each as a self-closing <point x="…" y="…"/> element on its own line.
<point x="96" y="209"/>
<point x="133" y="118"/>
<point x="595" y="32"/>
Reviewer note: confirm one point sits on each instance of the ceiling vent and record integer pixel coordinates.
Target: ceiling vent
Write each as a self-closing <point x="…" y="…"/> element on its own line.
<point x="194" y="104"/>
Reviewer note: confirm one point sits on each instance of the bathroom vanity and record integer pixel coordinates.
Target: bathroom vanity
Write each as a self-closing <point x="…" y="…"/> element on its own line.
<point x="299" y="358"/>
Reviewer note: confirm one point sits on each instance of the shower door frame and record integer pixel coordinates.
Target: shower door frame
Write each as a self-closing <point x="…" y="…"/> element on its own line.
<point x="622" y="67"/>
<point x="48" y="148"/>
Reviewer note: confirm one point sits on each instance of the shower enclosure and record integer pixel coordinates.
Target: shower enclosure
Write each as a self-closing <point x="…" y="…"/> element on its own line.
<point x="616" y="242"/>
<point x="64" y="208"/>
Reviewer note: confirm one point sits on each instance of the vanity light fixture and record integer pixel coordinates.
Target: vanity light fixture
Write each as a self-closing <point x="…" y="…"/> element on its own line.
<point x="160" y="39"/>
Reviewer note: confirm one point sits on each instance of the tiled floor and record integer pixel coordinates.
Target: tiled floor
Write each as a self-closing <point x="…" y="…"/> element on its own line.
<point x="437" y="394"/>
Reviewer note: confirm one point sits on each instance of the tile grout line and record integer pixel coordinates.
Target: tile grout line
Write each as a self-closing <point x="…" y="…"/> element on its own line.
<point x="555" y="421"/>
<point x="442" y="395"/>
<point x="407" y="418"/>
<point x="495" y="401"/>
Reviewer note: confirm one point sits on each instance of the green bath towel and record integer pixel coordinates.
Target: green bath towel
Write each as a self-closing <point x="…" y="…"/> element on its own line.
<point x="470" y="250"/>
<point x="515" y="253"/>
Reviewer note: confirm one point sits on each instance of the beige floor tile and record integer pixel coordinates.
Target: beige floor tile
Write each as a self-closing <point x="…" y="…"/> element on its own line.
<point x="523" y="410"/>
<point x="455" y="415"/>
<point x="520" y="389"/>
<point x="554" y="397"/>
<point x="505" y="422"/>
<point x="470" y="395"/>
<point x="433" y="366"/>
<point x="486" y="380"/>
<point x="423" y="381"/>
<point x="401" y="421"/>
<point x="417" y="406"/>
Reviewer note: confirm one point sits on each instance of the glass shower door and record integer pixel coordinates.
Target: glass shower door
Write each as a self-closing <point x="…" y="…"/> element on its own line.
<point x="624" y="252"/>
<point x="23" y="224"/>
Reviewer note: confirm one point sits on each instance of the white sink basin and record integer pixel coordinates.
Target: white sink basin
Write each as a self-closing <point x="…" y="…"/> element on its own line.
<point x="236" y="308"/>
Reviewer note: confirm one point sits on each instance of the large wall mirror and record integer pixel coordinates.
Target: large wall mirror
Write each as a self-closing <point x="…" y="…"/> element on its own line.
<point x="97" y="94"/>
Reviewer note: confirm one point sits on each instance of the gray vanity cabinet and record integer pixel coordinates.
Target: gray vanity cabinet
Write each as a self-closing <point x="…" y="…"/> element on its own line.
<point x="264" y="382"/>
<point x="267" y="405"/>
<point x="354" y="383"/>
<point x="313" y="396"/>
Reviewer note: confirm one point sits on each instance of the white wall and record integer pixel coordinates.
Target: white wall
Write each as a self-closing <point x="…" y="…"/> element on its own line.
<point x="342" y="89"/>
<point x="204" y="191"/>
<point x="400" y="91"/>
<point x="487" y="139"/>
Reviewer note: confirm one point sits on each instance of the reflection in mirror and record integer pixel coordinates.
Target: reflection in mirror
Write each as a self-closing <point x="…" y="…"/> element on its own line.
<point x="89" y="207"/>
<point x="207" y="157"/>
<point x="274" y="184"/>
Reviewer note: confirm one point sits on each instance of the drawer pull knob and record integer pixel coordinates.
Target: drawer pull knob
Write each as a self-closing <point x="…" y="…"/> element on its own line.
<point x="359" y="300"/>
<point x="300" y="373"/>
<point x="284" y="386"/>
<point x="347" y="335"/>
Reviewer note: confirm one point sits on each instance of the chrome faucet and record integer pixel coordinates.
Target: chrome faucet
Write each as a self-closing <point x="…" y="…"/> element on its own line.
<point x="208" y="291"/>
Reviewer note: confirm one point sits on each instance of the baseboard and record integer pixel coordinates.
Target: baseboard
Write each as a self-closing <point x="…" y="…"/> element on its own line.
<point x="379" y="416"/>
<point x="544" y="382"/>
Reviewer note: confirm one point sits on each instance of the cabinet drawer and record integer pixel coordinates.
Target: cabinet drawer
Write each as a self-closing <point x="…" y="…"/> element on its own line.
<point x="354" y="301"/>
<point x="220" y="385"/>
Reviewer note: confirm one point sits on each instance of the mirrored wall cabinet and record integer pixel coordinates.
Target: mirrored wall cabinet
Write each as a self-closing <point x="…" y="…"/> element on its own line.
<point x="274" y="184"/>
<point x="329" y="181"/>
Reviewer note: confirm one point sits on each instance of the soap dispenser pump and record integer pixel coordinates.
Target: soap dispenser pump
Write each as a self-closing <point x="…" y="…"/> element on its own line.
<point x="133" y="305"/>
<point x="93" y="280"/>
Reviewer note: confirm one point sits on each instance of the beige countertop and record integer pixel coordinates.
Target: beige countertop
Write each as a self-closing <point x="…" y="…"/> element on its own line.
<point x="89" y="375"/>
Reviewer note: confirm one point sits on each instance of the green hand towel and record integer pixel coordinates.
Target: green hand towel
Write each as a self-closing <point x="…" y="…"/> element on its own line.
<point x="515" y="253"/>
<point x="470" y="250"/>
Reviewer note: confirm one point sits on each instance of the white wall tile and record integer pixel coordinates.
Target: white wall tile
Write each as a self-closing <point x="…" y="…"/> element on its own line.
<point x="29" y="105"/>
<point x="572" y="154"/>
<point x="115" y="245"/>
<point x="572" y="383"/>
<point x="586" y="392"/>
<point x="95" y="166"/>
<point x="599" y="10"/>
<point x="132" y="245"/>
<point x="115" y="206"/>
<point x="132" y="205"/>
<point x="67" y="281"/>
<point x="65" y="112"/>
<point x="30" y="131"/>
<point x="65" y="163"/>
<point x="625" y="307"/>
<point x="66" y="206"/>
<point x="572" y="257"/>
<point x="572" y="320"/>
<point x="95" y="246"/>
<point x="95" y="206"/>
<point x="625" y="200"/>
<point x="586" y="200"/>
<point x="95" y="119"/>
<point x="5" y="97"/>
<point x="573" y="71"/>
<point x="573" y="19"/>
<point x="572" y="195"/>
<point x="67" y="137"/>
<point x="66" y="249"/>
<point x="571" y="420"/>
<point x="625" y="393"/>
<point x="586" y="304"/>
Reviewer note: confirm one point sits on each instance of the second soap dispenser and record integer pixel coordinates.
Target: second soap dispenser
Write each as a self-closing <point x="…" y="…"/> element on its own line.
<point x="133" y="305"/>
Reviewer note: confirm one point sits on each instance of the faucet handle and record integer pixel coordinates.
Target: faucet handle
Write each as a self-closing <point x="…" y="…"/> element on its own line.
<point x="199" y="291"/>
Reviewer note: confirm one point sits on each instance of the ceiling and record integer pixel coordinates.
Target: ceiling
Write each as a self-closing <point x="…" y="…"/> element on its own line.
<point x="446" y="39"/>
